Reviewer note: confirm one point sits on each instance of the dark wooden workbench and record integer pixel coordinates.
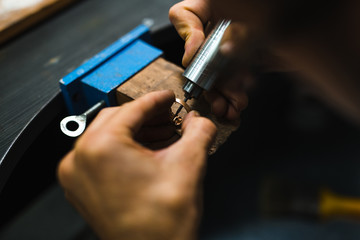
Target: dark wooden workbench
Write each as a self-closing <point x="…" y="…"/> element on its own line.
<point x="32" y="64"/>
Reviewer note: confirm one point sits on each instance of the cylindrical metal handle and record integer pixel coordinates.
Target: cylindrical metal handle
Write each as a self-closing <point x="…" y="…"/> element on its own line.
<point x="205" y="66"/>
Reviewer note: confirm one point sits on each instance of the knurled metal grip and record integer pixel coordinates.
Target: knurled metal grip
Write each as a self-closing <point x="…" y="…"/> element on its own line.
<point x="203" y="69"/>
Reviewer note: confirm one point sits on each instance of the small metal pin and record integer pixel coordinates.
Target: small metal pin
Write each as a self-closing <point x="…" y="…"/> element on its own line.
<point x="177" y="120"/>
<point x="74" y="126"/>
<point x="182" y="104"/>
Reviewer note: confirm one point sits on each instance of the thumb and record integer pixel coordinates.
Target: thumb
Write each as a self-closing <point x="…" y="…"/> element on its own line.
<point x="188" y="18"/>
<point x="189" y="153"/>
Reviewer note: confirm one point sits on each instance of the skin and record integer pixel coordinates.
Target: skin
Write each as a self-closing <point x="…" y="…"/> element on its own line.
<point x="228" y="99"/>
<point x="318" y="40"/>
<point x="127" y="191"/>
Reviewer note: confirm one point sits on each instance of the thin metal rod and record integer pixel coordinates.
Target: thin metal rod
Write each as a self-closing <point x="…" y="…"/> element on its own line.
<point x="181" y="107"/>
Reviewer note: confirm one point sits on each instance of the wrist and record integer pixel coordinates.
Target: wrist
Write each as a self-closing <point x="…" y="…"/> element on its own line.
<point x="173" y="222"/>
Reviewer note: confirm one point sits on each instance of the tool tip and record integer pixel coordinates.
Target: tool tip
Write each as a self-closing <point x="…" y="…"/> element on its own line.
<point x="178" y="110"/>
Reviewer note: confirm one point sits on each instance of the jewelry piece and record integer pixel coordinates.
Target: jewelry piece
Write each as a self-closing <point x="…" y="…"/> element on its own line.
<point x="184" y="104"/>
<point x="177" y="120"/>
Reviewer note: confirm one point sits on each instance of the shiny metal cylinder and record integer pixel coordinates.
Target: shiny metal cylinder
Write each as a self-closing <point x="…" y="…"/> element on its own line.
<point x="203" y="69"/>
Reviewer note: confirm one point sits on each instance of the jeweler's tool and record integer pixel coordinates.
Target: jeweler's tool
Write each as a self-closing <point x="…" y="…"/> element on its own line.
<point x="205" y="66"/>
<point x="177" y="120"/>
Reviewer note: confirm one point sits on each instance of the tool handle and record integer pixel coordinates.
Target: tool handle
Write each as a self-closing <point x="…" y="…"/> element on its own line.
<point x="206" y="63"/>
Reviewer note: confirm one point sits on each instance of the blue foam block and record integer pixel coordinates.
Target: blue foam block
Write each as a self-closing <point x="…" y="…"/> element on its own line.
<point x="78" y="90"/>
<point x="105" y="79"/>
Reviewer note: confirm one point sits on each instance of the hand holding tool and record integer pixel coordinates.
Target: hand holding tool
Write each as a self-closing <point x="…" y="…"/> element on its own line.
<point x="206" y="64"/>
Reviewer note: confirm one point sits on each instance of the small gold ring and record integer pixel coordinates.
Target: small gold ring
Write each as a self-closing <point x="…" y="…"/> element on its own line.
<point x="184" y="104"/>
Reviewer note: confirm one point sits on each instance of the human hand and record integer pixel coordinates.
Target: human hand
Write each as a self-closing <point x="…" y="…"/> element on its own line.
<point x="127" y="191"/>
<point x="189" y="17"/>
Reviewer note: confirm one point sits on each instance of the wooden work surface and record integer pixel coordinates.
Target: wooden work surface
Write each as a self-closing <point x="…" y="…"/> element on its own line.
<point x="32" y="64"/>
<point x="17" y="16"/>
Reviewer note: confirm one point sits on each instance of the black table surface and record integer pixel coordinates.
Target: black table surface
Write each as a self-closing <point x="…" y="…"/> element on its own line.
<point x="32" y="64"/>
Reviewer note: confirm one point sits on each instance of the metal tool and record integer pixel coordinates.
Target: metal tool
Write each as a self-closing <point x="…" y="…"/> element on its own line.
<point x="177" y="120"/>
<point x="205" y="66"/>
<point x="74" y="126"/>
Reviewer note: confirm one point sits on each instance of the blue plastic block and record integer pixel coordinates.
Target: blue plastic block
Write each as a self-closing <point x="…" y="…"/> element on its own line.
<point x="102" y="82"/>
<point x="72" y="85"/>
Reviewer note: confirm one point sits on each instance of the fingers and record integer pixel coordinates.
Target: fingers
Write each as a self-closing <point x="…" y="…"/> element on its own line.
<point x="198" y="134"/>
<point x="194" y="40"/>
<point x="189" y="18"/>
<point x="227" y="103"/>
<point x="65" y="169"/>
<point x="159" y="128"/>
<point x="162" y="118"/>
<point x="218" y="103"/>
<point x="237" y="102"/>
<point x="134" y="114"/>
<point x="127" y="119"/>
<point x="66" y="174"/>
<point x="155" y="133"/>
<point x="68" y="179"/>
<point x="234" y="39"/>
